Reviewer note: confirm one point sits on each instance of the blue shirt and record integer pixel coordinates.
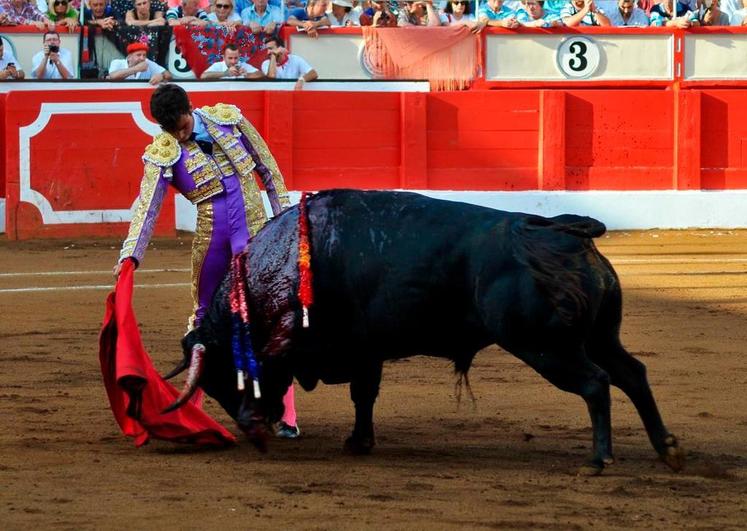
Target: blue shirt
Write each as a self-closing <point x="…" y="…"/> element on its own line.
<point x="200" y="130"/>
<point x="301" y="14"/>
<point x="548" y="18"/>
<point x="271" y="14"/>
<point x="486" y="12"/>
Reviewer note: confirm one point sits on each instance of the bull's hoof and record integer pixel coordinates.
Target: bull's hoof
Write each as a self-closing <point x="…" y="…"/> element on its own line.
<point x="257" y="434"/>
<point x="595" y="466"/>
<point x="359" y="445"/>
<point x="673" y="455"/>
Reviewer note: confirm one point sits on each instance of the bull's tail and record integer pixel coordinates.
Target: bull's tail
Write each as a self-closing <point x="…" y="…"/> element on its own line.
<point x="555" y="263"/>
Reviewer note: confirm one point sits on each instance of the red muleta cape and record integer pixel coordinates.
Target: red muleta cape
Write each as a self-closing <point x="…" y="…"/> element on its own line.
<point x="137" y="393"/>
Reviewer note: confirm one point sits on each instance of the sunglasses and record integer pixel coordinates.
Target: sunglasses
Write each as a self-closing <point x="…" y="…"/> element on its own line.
<point x="460" y="3"/>
<point x="222" y="6"/>
<point x="60" y="2"/>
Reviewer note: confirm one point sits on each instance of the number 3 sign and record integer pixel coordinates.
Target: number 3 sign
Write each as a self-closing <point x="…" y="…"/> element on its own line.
<point x="578" y="57"/>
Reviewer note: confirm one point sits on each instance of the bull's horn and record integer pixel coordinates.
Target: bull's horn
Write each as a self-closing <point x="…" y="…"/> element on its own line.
<point x="193" y="376"/>
<point x="180" y="367"/>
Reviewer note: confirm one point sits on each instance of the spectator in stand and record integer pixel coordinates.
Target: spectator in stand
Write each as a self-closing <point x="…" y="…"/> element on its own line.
<point x="583" y="13"/>
<point x="144" y="14"/>
<point x="711" y="14"/>
<point x="231" y="67"/>
<point x="739" y="16"/>
<point x="378" y="14"/>
<point x="60" y="12"/>
<point x="342" y="14"/>
<point x="20" y="12"/>
<point x="418" y="13"/>
<point x="673" y="14"/>
<point x="121" y="7"/>
<point x="137" y="66"/>
<point x="187" y="14"/>
<point x="223" y="14"/>
<point x="628" y="15"/>
<point x="494" y="13"/>
<point x="260" y="17"/>
<point x="310" y="18"/>
<point x="100" y="14"/>
<point x="459" y="13"/>
<point x="532" y="15"/>
<point x="9" y="67"/>
<point x="52" y="62"/>
<point x="282" y="65"/>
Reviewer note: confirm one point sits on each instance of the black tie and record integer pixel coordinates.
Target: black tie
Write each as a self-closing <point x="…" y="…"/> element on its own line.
<point x="206" y="147"/>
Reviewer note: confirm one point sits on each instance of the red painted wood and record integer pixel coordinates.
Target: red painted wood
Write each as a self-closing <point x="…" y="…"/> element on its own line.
<point x="552" y="141"/>
<point x="688" y="165"/>
<point x="413" y="141"/>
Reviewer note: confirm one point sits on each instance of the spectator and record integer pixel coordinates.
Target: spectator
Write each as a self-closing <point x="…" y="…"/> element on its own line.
<point x="121" y="7"/>
<point x="101" y="14"/>
<point x="533" y="15"/>
<point x="62" y="13"/>
<point x="52" y="62"/>
<point x="418" y="13"/>
<point x="260" y="17"/>
<point x="342" y="14"/>
<point x="310" y="18"/>
<point x="9" y="67"/>
<point x="494" y="13"/>
<point x="739" y="16"/>
<point x="378" y="14"/>
<point x="187" y="14"/>
<point x="144" y="14"/>
<point x="231" y="67"/>
<point x="19" y="12"/>
<point x="223" y="14"/>
<point x="730" y="7"/>
<point x="137" y="66"/>
<point x="583" y="13"/>
<point x="282" y="65"/>
<point x="627" y="14"/>
<point x="711" y="14"/>
<point x="672" y="13"/>
<point x="459" y="12"/>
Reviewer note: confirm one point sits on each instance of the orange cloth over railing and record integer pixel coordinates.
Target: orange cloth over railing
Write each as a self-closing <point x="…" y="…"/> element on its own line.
<point x="447" y="56"/>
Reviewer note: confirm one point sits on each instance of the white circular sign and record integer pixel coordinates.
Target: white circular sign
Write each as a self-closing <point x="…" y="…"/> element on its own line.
<point x="578" y="57"/>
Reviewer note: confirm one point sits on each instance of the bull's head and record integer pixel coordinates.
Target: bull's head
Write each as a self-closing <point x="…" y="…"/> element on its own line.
<point x="210" y="366"/>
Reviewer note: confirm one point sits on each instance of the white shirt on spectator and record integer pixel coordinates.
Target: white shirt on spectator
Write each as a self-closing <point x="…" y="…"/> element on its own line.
<point x="637" y="18"/>
<point x="737" y="17"/>
<point x="233" y="17"/>
<point x="51" y="71"/>
<point x="447" y="19"/>
<point x="293" y="68"/>
<point x="121" y="64"/>
<point x="8" y="58"/>
<point x="221" y="66"/>
<point x="352" y="16"/>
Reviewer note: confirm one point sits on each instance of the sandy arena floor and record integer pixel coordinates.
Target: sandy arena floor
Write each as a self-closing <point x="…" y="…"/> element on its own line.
<point x="508" y="463"/>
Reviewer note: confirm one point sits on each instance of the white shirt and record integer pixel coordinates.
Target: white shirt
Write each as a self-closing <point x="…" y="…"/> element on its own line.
<point x="447" y="19"/>
<point x="293" y="68"/>
<point x="121" y="64"/>
<point x="735" y="20"/>
<point x="51" y="71"/>
<point x="637" y="18"/>
<point x="8" y="58"/>
<point x="233" y="17"/>
<point x="352" y="16"/>
<point x="221" y="66"/>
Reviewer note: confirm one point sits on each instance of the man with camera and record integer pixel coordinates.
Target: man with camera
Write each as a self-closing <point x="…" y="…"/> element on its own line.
<point x="52" y="62"/>
<point x="8" y="68"/>
<point x="231" y="67"/>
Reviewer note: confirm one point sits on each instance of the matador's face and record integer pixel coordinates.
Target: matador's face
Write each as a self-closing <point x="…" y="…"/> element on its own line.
<point x="184" y="127"/>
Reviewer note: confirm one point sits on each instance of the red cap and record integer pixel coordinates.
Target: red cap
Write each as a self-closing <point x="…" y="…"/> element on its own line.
<point x="136" y="47"/>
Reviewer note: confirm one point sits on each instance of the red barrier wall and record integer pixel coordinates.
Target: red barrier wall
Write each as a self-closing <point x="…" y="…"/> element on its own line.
<point x="478" y="140"/>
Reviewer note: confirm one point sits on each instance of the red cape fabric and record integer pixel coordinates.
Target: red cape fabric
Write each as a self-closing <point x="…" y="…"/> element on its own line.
<point x="137" y="393"/>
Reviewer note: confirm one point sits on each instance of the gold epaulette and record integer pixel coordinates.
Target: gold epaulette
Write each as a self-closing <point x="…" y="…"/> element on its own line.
<point x="164" y="151"/>
<point x="221" y="113"/>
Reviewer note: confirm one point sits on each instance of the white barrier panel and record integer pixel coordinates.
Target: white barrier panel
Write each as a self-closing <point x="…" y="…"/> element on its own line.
<point x="563" y="57"/>
<point x="715" y="56"/>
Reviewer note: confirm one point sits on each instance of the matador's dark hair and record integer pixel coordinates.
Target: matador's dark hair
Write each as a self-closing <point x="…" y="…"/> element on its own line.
<point x="167" y="104"/>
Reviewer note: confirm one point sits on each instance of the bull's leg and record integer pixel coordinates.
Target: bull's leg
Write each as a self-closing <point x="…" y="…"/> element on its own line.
<point x="629" y="375"/>
<point x="252" y="422"/>
<point x="364" y="388"/>
<point x="573" y="372"/>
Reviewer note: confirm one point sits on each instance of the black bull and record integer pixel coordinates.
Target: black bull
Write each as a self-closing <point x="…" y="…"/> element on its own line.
<point x="400" y="274"/>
